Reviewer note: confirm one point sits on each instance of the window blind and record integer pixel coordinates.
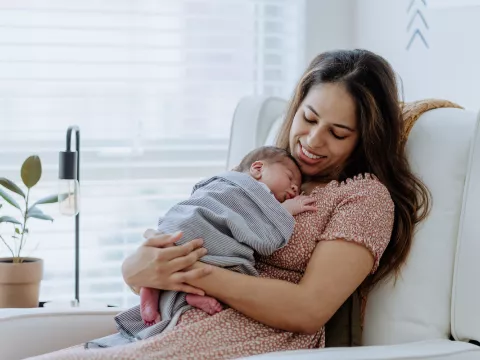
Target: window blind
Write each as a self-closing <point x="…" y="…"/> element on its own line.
<point x="153" y="86"/>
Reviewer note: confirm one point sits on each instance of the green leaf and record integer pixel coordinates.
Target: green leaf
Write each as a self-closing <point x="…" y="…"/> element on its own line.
<point x="64" y="196"/>
<point x="38" y="214"/>
<point x="10" y="185"/>
<point x="9" y="199"/>
<point x="17" y="230"/>
<point x="9" y="219"/>
<point x="48" y="200"/>
<point x="31" y="171"/>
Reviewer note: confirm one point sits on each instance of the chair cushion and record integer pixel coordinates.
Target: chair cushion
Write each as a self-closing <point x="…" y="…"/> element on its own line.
<point x="417" y="306"/>
<point x="466" y="291"/>
<point x="273" y="132"/>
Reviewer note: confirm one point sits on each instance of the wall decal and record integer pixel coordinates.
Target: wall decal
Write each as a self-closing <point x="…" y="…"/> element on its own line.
<point x="417" y="24"/>
<point x="445" y="4"/>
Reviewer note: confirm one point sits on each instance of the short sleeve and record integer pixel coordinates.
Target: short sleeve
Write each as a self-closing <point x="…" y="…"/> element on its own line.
<point x="364" y="214"/>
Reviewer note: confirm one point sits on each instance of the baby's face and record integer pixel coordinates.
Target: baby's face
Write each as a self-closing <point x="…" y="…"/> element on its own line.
<point x="283" y="179"/>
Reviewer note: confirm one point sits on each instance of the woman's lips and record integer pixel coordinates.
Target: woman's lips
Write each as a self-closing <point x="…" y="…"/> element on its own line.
<point x="307" y="159"/>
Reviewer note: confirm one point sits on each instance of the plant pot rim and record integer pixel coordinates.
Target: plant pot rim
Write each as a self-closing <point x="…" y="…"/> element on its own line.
<point x="9" y="259"/>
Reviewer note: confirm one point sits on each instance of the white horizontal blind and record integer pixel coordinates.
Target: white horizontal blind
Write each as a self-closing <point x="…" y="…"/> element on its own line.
<point x="152" y="84"/>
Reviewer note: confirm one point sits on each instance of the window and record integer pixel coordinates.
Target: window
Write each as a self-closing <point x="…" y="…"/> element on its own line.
<point x="152" y="85"/>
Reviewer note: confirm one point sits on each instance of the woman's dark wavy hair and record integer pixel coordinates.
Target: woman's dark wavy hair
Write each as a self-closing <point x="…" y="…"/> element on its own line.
<point x="371" y="82"/>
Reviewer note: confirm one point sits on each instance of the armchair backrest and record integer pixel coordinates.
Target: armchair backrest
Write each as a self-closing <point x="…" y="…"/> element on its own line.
<point x="418" y="306"/>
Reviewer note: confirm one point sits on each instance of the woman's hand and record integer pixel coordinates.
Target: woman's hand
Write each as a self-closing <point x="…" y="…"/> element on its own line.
<point x="159" y="264"/>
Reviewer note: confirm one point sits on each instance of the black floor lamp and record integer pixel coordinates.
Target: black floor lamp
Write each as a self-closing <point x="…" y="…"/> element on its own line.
<point x="69" y="195"/>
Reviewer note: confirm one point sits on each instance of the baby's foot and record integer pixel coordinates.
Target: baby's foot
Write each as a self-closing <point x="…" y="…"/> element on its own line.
<point x="206" y="303"/>
<point x="149" y="306"/>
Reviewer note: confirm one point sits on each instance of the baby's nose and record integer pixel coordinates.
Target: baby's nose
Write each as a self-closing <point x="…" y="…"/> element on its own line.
<point x="295" y="189"/>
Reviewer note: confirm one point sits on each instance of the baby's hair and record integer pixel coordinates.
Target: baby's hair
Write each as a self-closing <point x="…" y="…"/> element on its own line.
<point x="269" y="154"/>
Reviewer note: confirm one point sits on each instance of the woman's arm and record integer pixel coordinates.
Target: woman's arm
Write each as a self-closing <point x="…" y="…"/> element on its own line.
<point x="365" y="217"/>
<point x="334" y="272"/>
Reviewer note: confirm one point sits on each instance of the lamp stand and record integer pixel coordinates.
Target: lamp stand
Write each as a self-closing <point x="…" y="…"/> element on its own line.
<point x="76" y="302"/>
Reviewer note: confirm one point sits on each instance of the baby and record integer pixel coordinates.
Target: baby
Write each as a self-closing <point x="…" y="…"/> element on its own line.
<point x="277" y="172"/>
<point x="238" y="214"/>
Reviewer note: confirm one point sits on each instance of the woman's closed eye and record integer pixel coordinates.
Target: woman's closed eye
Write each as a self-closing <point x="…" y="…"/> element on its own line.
<point x="337" y="136"/>
<point x="310" y="121"/>
<point x="313" y="121"/>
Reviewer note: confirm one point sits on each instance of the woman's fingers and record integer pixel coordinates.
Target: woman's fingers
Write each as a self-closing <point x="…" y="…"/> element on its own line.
<point x="171" y="261"/>
<point x="149" y="233"/>
<point x="159" y="240"/>
<point x="189" y="289"/>
<point x="183" y="262"/>
<point x="181" y="250"/>
<point x="198" y="273"/>
<point x="310" y="208"/>
<point x="191" y="275"/>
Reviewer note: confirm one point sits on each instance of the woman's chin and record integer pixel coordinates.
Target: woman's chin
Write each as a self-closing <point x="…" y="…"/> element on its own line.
<point x="318" y="171"/>
<point x="311" y="170"/>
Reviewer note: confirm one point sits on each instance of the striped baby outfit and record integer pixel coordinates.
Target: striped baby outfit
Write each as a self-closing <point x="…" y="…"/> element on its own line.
<point x="236" y="216"/>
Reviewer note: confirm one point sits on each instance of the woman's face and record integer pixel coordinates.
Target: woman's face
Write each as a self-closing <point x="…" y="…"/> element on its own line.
<point x="324" y="131"/>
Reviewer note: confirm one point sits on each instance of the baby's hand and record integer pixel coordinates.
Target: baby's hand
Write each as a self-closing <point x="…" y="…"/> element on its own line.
<point x="299" y="204"/>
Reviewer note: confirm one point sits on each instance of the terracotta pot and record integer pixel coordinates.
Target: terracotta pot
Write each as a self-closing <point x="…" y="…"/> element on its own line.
<point x="20" y="282"/>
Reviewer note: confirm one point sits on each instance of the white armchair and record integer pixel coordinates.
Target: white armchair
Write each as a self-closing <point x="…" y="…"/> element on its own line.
<point x="435" y="296"/>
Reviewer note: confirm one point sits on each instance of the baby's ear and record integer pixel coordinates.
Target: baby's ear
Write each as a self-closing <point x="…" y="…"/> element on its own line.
<point x="256" y="170"/>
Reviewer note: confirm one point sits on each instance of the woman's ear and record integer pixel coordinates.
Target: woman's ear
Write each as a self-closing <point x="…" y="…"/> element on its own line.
<point x="256" y="170"/>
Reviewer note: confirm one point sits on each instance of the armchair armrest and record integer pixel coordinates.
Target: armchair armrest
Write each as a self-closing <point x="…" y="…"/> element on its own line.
<point x="29" y="332"/>
<point x="424" y="350"/>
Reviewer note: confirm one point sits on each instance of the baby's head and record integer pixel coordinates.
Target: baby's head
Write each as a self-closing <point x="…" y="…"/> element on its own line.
<point x="274" y="167"/>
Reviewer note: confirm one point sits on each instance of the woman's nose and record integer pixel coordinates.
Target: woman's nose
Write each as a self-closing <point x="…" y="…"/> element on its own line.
<point x="316" y="137"/>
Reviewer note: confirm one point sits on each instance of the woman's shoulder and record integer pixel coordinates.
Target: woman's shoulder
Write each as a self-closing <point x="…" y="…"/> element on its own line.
<point x="360" y="186"/>
<point x="362" y="211"/>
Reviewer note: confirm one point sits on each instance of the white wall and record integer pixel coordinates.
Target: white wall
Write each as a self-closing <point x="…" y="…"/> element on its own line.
<point x="449" y="68"/>
<point x="330" y="25"/>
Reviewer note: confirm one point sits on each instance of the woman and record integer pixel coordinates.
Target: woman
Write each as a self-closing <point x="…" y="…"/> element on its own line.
<point x="344" y="128"/>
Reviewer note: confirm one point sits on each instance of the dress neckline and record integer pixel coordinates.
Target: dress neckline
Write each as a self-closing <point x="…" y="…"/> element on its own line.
<point x="336" y="183"/>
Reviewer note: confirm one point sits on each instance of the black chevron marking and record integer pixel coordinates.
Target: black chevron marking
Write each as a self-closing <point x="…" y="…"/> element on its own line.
<point x="417" y="13"/>
<point x="413" y="2"/>
<point x="417" y="33"/>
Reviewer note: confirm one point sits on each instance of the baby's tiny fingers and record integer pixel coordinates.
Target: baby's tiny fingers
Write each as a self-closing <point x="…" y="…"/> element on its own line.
<point x="310" y="208"/>
<point x="309" y="200"/>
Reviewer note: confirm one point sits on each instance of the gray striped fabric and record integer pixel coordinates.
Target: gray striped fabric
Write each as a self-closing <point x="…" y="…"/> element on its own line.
<point x="236" y="216"/>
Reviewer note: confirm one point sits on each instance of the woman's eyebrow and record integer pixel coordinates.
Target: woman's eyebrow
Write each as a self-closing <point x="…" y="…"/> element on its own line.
<point x="337" y="125"/>
<point x="344" y="127"/>
<point x="312" y="110"/>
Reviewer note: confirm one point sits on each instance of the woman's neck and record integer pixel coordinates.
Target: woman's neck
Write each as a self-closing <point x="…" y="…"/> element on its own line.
<point x="307" y="187"/>
<point x="311" y="182"/>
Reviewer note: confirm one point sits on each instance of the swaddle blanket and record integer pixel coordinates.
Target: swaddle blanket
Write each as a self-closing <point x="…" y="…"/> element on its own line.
<point x="236" y="216"/>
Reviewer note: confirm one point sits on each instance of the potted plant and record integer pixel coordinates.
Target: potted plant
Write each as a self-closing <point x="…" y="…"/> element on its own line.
<point x="20" y="276"/>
